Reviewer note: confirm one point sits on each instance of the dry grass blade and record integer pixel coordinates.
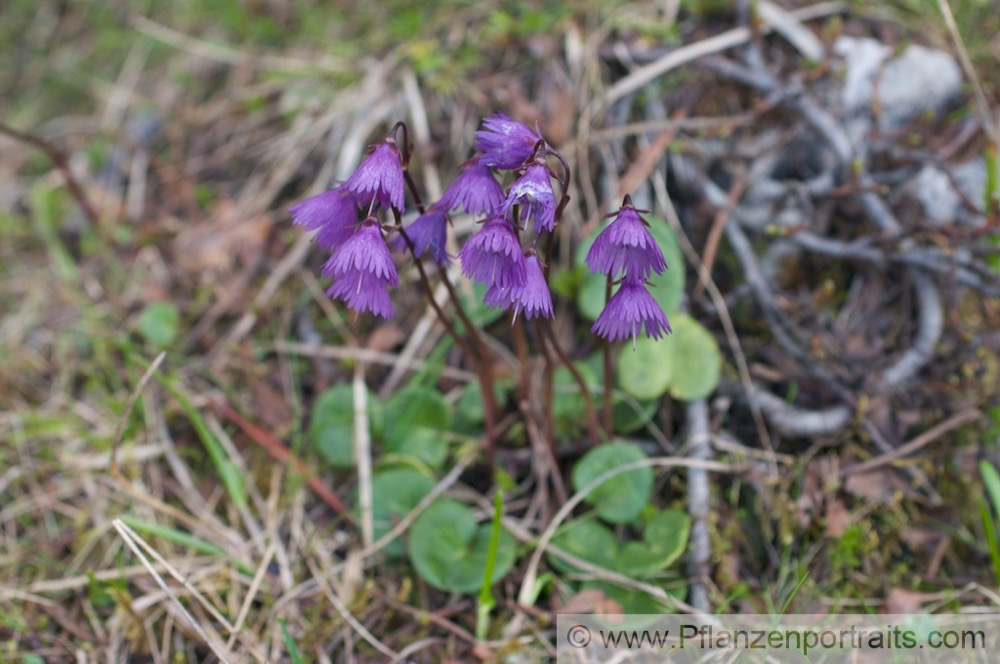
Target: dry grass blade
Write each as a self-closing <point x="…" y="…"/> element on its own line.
<point x="989" y="123"/>
<point x="363" y="455"/>
<point x="345" y="613"/>
<point x="131" y="538"/>
<point x="129" y="405"/>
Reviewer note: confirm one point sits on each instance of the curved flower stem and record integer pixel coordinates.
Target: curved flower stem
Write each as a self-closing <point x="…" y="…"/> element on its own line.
<point x="588" y="401"/>
<point x="479" y="364"/>
<point x="484" y="367"/>
<point x="443" y="273"/>
<point x="549" y="395"/>
<point x="608" y="411"/>
<point x="523" y="358"/>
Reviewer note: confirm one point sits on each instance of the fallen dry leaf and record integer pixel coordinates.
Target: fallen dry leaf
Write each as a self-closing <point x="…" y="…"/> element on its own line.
<point x="878" y="485"/>
<point x="386" y="337"/>
<point x="837" y="518"/>
<point x="591" y="600"/>
<point x="900" y="600"/>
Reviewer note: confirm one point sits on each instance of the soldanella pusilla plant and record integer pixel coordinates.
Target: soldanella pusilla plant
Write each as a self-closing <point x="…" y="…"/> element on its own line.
<point x="515" y="184"/>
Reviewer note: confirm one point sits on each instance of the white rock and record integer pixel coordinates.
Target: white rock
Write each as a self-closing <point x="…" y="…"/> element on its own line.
<point x="863" y="58"/>
<point x="917" y="81"/>
<point x="940" y="203"/>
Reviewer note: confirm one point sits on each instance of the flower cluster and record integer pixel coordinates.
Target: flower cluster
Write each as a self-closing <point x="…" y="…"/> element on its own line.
<point x="626" y="250"/>
<point x="363" y="271"/>
<point x="360" y="262"/>
<point x="493" y="256"/>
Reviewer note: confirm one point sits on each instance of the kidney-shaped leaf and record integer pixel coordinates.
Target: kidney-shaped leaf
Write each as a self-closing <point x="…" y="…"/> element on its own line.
<point x="449" y="548"/>
<point x="687" y="363"/>
<point x="413" y="423"/>
<point x="645" y="372"/>
<point x="396" y="491"/>
<point x="621" y="498"/>
<point x="331" y="426"/>
<point x="586" y="539"/>
<point x="697" y="362"/>
<point x="664" y="540"/>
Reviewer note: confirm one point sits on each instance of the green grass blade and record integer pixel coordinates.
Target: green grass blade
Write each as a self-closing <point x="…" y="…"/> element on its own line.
<point x="178" y="537"/>
<point x="293" y="650"/>
<point x="991" y="481"/>
<point x="989" y="531"/>
<point x="229" y="474"/>
<point x="48" y="214"/>
<point x="486" y="599"/>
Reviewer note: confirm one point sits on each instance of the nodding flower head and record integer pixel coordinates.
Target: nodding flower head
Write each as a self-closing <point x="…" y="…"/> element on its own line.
<point x="363" y="292"/>
<point x="428" y="233"/>
<point x="533" y="192"/>
<point x="628" y="310"/>
<point x="626" y="247"/>
<point x="380" y="176"/>
<point x="493" y="255"/>
<point x="475" y="189"/>
<point x="333" y="213"/>
<point x="504" y="142"/>
<point x="533" y="298"/>
<point x="363" y="271"/>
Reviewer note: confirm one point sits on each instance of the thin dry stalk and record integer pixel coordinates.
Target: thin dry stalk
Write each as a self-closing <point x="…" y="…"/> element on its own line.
<point x="127" y="534"/>
<point x="363" y="455"/>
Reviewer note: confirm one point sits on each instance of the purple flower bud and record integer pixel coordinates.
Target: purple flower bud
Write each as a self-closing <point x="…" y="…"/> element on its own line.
<point x="626" y="246"/>
<point x="363" y="291"/>
<point x="364" y="252"/>
<point x="493" y="255"/>
<point x="628" y="310"/>
<point x="334" y="213"/>
<point x="533" y="297"/>
<point x="533" y="192"/>
<point x="504" y="142"/>
<point x="428" y="232"/>
<point x="475" y="189"/>
<point x="379" y="176"/>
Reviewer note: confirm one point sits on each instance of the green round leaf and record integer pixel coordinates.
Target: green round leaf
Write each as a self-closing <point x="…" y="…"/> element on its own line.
<point x="686" y="363"/>
<point x="630" y="414"/>
<point x="646" y="370"/>
<point x="586" y="539"/>
<point x="396" y="491"/>
<point x="158" y="323"/>
<point x="667" y="288"/>
<point x="697" y="362"/>
<point x="449" y="549"/>
<point x="331" y="426"/>
<point x="414" y="421"/>
<point x="569" y="407"/>
<point x="621" y="498"/>
<point x="591" y="296"/>
<point x="664" y="540"/>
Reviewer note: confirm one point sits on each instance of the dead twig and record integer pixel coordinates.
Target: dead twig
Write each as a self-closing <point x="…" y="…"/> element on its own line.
<point x="61" y="161"/>
<point x="924" y="439"/>
<point x="278" y="450"/>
